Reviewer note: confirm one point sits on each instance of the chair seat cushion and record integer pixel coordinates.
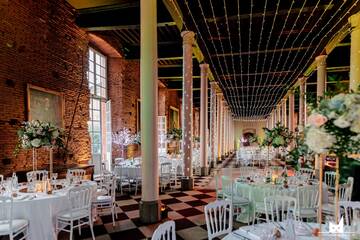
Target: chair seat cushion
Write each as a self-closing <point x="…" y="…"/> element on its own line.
<point x="17" y="224"/>
<point x="101" y="199"/>
<point x="70" y="214"/>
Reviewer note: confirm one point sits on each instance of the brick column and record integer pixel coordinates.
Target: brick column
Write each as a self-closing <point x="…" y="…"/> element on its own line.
<point x="291" y="112"/>
<point x="283" y="112"/>
<point x="204" y="68"/>
<point x="187" y="111"/>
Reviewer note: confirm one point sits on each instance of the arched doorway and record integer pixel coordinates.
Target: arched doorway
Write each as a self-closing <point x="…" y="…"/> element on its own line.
<point x="247" y="135"/>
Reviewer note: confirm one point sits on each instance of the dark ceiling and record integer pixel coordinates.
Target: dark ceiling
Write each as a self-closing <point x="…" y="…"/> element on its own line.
<point x="256" y="49"/>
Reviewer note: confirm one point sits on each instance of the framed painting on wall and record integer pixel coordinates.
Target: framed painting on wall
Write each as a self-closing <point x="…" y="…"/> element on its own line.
<point x="45" y="105"/>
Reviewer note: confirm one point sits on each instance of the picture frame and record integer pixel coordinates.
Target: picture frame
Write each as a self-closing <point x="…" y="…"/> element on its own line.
<point x="45" y="105"/>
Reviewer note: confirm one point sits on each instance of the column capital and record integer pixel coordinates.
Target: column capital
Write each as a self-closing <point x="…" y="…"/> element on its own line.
<point x="188" y="37"/>
<point x="354" y="20"/>
<point x="321" y="60"/>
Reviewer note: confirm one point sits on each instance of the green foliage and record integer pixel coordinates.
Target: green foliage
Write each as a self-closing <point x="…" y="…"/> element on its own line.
<point x="300" y="150"/>
<point x="174" y="134"/>
<point x="277" y="137"/>
<point x="37" y="134"/>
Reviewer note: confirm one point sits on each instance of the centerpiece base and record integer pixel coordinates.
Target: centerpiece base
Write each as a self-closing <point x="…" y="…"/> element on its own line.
<point x="187" y="184"/>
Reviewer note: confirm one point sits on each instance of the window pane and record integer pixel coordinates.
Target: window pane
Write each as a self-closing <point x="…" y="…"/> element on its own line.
<point x="91" y="54"/>
<point x="91" y="77"/>
<point x="103" y="92"/>
<point x="103" y="62"/>
<point x="91" y="87"/>
<point x="91" y="66"/>
<point x="97" y="69"/>
<point x="97" y="59"/>
<point x="90" y="126"/>
<point x="102" y="72"/>
<point x="96" y="126"/>
<point x="98" y="90"/>
<point x="96" y="149"/>
<point x="96" y="104"/>
<point x="96" y="115"/>
<point x="96" y="138"/>
<point x="98" y="80"/>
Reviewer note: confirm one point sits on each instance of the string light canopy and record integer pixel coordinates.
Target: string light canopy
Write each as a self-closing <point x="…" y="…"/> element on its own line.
<point x="258" y="49"/>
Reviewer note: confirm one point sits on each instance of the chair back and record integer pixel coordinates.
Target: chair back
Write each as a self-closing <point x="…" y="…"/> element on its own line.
<point x="80" y="198"/>
<point x="76" y="173"/>
<point x="350" y="187"/>
<point x="227" y="186"/>
<point x="330" y="179"/>
<point x="165" y="168"/>
<point x="38" y="175"/>
<point x="307" y="171"/>
<point x="121" y="172"/>
<point x="307" y="197"/>
<point x="1" y="178"/>
<point x="165" y="231"/>
<point x="219" y="218"/>
<point x="279" y="208"/>
<point x="351" y="211"/>
<point x="6" y="211"/>
<point x="134" y="172"/>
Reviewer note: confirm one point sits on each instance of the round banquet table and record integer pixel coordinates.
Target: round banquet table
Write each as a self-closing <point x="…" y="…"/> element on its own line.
<point x="41" y="209"/>
<point x="253" y="191"/>
<point x="303" y="231"/>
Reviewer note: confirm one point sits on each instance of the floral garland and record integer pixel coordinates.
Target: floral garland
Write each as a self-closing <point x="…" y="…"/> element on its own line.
<point x="37" y="134"/>
<point x="334" y="126"/>
<point x="277" y="137"/>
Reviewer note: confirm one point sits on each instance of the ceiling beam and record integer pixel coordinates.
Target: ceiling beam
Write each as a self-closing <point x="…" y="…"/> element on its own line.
<point x="268" y="14"/>
<point x="261" y="51"/>
<point x="176" y="78"/>
<point x="124" y="27"/>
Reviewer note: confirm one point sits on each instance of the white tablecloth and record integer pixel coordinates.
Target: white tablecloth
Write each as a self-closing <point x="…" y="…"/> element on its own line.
<point x="41" y="211"/>
<point x="257" y="232"/>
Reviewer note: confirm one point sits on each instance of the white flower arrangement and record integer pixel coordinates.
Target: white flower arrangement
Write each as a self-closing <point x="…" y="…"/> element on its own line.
<point x="123" y="137"/>
<point x="37" y="134"/>
<point x="334" y="126"/>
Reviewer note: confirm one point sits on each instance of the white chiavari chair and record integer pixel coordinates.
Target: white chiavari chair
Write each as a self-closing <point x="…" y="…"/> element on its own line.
<point x="107" y="202"/>
<point x="307" y="171"/>
<point x="122" y="177"/>
<point x="349" y="210"/>
<point x="134" y="174"/>
<point x="8" y="225"/>
<point x="165" y="175"/>
<point x="307" y="201"/>
<point x="219" y="218"/>
<point x="328" y="209"/>
<point x="330" y="180"/>
<point x="259" y="207"/>
<point x="38" y="175"/>
<point x="164" y="231"/>
<point x="279" y="208"/>
<point x="79" y="213"/>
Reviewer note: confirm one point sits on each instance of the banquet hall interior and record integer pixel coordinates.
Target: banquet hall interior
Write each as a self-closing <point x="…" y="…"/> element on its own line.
<point x="179" y="119"/>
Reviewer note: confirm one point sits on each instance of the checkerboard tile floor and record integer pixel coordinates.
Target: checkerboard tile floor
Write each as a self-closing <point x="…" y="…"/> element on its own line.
<point x="185" y="208"/>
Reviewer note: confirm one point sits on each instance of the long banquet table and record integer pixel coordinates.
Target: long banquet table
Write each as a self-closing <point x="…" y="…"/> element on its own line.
<point x="41" y="209"/>
<point x="303" y="231"/>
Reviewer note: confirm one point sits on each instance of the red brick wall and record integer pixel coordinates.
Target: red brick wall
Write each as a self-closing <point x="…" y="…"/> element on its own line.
<point x="41" y="45"/>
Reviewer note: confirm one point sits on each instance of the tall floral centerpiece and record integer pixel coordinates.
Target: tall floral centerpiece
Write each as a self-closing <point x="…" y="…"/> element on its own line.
<point x="334" y="128"/>
<point x="123" y="138"/>
<point x="36" y="134"/>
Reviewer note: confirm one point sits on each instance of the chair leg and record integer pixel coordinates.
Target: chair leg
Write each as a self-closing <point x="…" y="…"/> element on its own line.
<point x="112" y="213"/>
<point x="91" y="228"/>
<point x="79" y="227"/>
<point x="71" y="230"/>
<point x="56" y="229"/>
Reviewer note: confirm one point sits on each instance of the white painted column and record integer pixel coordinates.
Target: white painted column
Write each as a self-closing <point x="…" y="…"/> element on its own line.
<point x="213" y="125"/>
<point x="302" y="109"/>
<point x="284" y="112"/>
<point x="321" y="76"/>
<point x="149" y="204"/>
<point x="222" y="128"/>
<point x="225" y="128"/>
<point x="291" y="112"/>
<point x="204" y="69"/>
<point x="355" y="52"/>
<point x="187" y="100"/>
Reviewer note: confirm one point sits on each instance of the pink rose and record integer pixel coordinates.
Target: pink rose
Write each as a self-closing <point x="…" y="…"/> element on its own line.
<point x="317" y="120"/>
